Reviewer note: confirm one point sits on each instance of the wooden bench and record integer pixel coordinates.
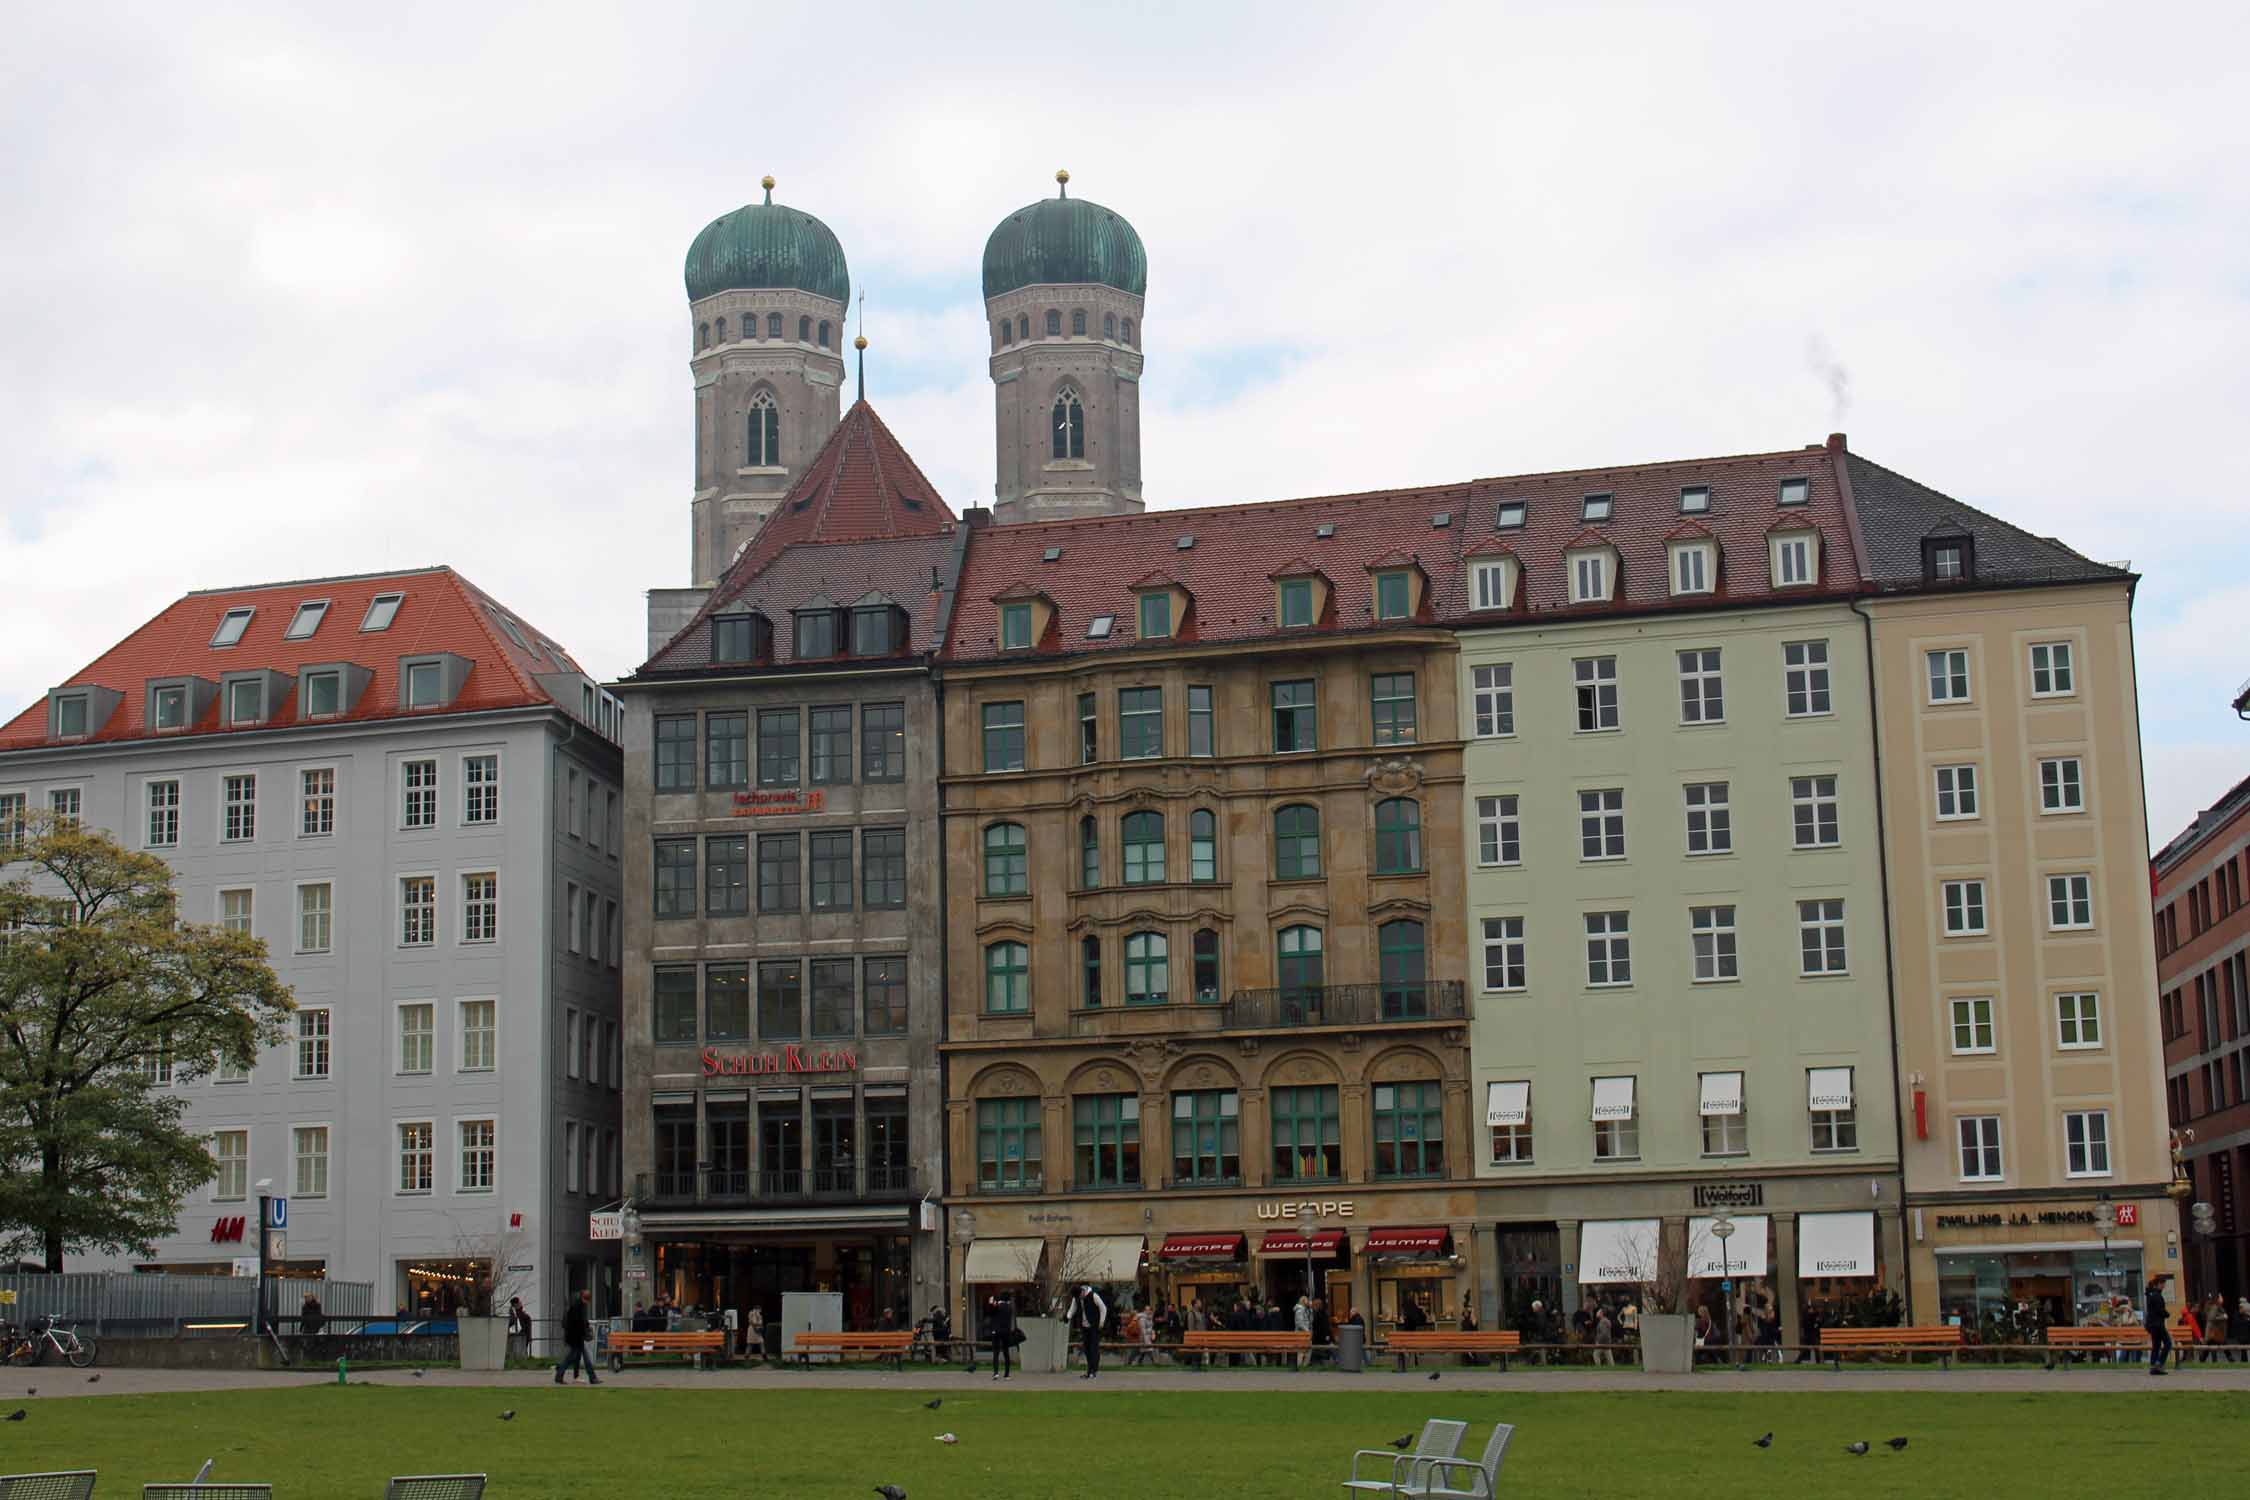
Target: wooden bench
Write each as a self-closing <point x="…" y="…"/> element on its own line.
<point x="1227" y="1341"/>
<point x="1945" y="1340"/>
<point x="691" y="1347"/>
<point x="2096" y="1340"/>
<point x="890" y="1346"/>
<point x="1499" y="1342"/>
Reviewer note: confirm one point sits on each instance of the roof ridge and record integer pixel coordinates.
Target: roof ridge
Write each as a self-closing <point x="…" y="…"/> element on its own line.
<point x="474" y="598"/>
<point x="1985" y="515"/>
<point x="306" y="583"/>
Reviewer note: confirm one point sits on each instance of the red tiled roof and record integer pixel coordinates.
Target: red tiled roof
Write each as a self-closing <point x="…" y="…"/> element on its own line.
<point x="440" y="612"/>
<point x="898" y="569"/>
<point x="1241" y="548"/>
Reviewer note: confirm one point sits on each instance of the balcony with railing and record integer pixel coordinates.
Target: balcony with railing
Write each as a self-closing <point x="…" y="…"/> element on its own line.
<point x="736" y="1188"/>
<point x="1344" y="1005"/>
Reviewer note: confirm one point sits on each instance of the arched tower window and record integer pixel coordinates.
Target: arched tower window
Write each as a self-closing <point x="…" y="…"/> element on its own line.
<point x="823" y="333"/>
<point x="1054" y="323"/>
<point x="1000" y="335"/>
<point x="764" y="451"/>
<point x="719" y="331"/>
<point x="773" y="325"/>
<point x="1128" y="330"/>
<point x="1070" y="424"/>
<point x="702" y="335"/>
<point x="1023" y="327"/>
<point x="804" y="330"/>
<point x="1109" y="325"/>
<point x="1078" y="322"/>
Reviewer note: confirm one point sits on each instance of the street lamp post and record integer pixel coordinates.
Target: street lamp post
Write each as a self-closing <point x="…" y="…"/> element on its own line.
<point x="1722" y="1230"/>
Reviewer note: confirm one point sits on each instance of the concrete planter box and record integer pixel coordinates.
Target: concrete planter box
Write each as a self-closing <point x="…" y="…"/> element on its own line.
<point x="484" y="1343"/>
<point x="1045" y="1347"/>
<point x="1667" y="1343"/>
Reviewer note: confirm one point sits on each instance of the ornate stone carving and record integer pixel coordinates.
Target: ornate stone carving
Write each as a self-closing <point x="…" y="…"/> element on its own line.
<point x="1106" y="1081"/>
<point x="1394" y="776"/>
<point x="1206" y="1076"/>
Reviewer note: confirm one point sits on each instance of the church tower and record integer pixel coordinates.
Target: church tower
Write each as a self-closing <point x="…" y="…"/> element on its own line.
<point x="1064" y="284"/>
<point x="767" y="287"/>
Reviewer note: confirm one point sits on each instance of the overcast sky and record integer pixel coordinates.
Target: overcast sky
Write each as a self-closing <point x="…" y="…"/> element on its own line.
<point x="309" y="289"/>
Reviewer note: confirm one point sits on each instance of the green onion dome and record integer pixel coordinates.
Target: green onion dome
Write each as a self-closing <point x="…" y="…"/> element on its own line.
<point x="764" y="246"/>
<point x="1064" y="241"/>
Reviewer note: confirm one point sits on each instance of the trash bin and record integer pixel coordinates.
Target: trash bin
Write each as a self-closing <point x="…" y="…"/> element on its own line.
<point x="1351" y="1347"/>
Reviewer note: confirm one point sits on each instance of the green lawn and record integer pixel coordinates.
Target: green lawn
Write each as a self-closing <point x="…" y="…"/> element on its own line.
<point x="327" y="1441"/>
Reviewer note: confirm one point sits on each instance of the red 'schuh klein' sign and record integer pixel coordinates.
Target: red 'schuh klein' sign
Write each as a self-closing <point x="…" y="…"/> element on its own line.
<point x="779" y="1060"/>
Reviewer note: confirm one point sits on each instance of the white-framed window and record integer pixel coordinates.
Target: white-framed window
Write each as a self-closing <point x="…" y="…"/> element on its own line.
<point x="1723" y="1112"/>
<point x="246" y="700"/>
<point x="1493" y="580"/>
<point x="316" y="816"/>
<point x="480" y="907"/>
<point x="417" y="1149"/>
<point x="1595" y="678"/>
<point x="1505" y="968"/>
<point x="2078" y="1021"/>
<point x="320" y="695"/>
<point x="316" y="917"/>
<point x="2062" y="786"/>
<point x="1692" y="567"/>
<point x="1832" y="1104"/>
<point x="479" y="1038"/>
<point x="1508" y="1116"/>
<point x="1616" y="1116"/>
<point x="308" y="1153"/>
<point x="66" y="802"/>
<point x="1813" y="818"/>
<point x="1601" y="824"/>
<point x="1949" y="676"/>
<point x="1589" y="576"/>
<point x="425" y="684"/>
<point x="156" y="1066"/>
<point x="1956" y="793"/>
<point x="480" y="789"/>
<point x="235" y="908"/>
<point x="230" y="1071"/>
<point x="15" y="819"/>
<point x="1711" y="935"/>
<point x="1796" y="559"/>
<point x="312" y="1042"/>
<point x="417" y="911"/>
<point x="231" y="1150"/>
<point x="2052" y="672"/>
<point x="2086" y="1143"/>
<point x="417" y="1037"/>
<point x="1964" y="908"/>
<point x="1820" y="937"/>
<point x="1702" y="695"/>
<point x="1804" y="679"/>
<point x="239" y="818"/>
<point x="1972" y="1026"/>
<point x="1609" y="948"/>
<point x="418" y="793"/>
<point x="1494" y="695"/>
<point x="2070" y="902"/>
<point x="1499" y="831"/>
<point x="479" y="1150"/>
<point x="1710" y="818"/>
<point x="572" y="1183"/>
<point x="1979" y="1137"/>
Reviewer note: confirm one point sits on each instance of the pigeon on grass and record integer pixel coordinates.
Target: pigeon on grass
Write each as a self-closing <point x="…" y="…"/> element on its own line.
<point x="18" y="1415"/>
<point x="933" y="1405"/>
<point x="507" y="1416"/>
<point x="1857" y="1450"/>
<point x="1896" y="1445"/>
<point x="890" y="1492"/>
<point x="1764" y="1442"/>
<point x="947" y="1438"/>
<point x="1403" y="1441"/>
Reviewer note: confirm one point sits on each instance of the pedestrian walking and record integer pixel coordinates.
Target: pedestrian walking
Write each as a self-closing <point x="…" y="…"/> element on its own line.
<point x="1089" y="1314"/>
<point x="2154" y="1319"/>
<point x="578" y="1333"/>
<point x="519" y="1329"/>
<point x="1000" y="1327"/>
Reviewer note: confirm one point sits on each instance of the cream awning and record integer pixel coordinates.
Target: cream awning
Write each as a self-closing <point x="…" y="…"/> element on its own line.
<point x="1507" y="1103"/>
<point x="1722" y="1093"/>
<point x="1104" y="1257"/>
<point x="1613" y="1098"/>
<point x="1745" y="1253"/>
<point x="1836" y="1244"/>
<point x="1003" y="1261"/>
<point x="1612" y="1251"/>
<point x="1830" y="1088"/>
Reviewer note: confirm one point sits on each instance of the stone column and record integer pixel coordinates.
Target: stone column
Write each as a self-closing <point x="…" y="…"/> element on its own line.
<point x="1890" y="1229"/>
<point x="1486" y="1263"/>
<point x="1566" y="1246"/>
<point x="1785" y="1277"/>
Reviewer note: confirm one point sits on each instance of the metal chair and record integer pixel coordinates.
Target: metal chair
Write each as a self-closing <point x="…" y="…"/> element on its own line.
<point x="223" y="1490"/>
<point x="1440" y="1439"/>
<point x="1461" y="1479"/>
<point x="65" y="1484"/>
<point x="436" y="1487"/>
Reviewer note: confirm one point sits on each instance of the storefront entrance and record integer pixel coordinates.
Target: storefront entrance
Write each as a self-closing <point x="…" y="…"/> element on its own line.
<point x="1530" y="1271"/>
<point x="874" y="1274"/>
<point x="2004" y="1294"/>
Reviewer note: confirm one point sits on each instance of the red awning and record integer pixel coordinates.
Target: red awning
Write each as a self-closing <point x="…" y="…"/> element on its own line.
<point x="1408" y="1241"/>
<point x="1201" y="1247"/>
<point x="1321" y="1244"/>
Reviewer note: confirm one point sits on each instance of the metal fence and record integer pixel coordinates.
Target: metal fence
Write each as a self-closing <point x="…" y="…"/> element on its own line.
<point x="126" y="1304"/>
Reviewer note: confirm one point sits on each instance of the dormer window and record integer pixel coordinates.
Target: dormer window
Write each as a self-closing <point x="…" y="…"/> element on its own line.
<point x="306" y="620"/>
<point x="816" y="634"/>
<point x="1795" y="492"/>
<point x="734" y="638"/>
<point x="1494" y="582"/>
<point x="874" y="631"/>
<point x="1694" y="564"/>
<point x="1695" y="499"/>
<point x="381" y="610"/>
<point x="231" y="626"/>
<point x="1595" y="508"/>
<point x="1296" y="602"/>
<point x="1015" y="627"/>
<point x="1590" y="577"/>
<point x="169" y="709"/>
<point x="1393" y="595"/>
<point x="322" y="695"/>
<point x="425" y="684"/>
<point x="70" y="717"/>
<point x="1948" y="559"/>
<point x="1510" y="517"/>
<point x="246" y="700"/>
<point x="1796" y="559"/>
<point x="1156" y="616"/>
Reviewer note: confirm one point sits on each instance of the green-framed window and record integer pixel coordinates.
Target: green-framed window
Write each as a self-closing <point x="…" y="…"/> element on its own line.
<point x="1148" y="969"/>
<point x="1392" y="596"/>
<point x="1296" y="717"/>
<point x="1403" y="964"/>
<point x="1003" y="736"/>
<point x="1409" y="1130"/>
<point x="1206" y="960"/>
<point x="1007" y="869"/>
<point x="1392" y="695"/>
<point x="1201" y="726"/>
<point x="1299" y="962"/>
<point x="1398" y="836"/>
<point x="1144" y="848"/>
<point x="1206" y="1137"/>
<point x="1007" y="978"/>
<point x="1307" y="1134"/>
<point x="1296" y="602"/>
<point x="1008" y="1150"/>
<point x="1089" y="734"/>
<point x="1015" y="627"/>
<point x="1203" y="845"/>
<point x="1089" y="854"/>
<point x="1156" y="616"/>
<point x="1296" y="842"/>
<point x="1106" y="1140"/>
<point x="1090" y="972"/>
<point x="1140" y="723"/>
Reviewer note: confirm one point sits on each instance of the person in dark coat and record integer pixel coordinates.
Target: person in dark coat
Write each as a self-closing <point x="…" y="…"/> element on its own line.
<point x="1323" y="1330"/>
<point x="2154" y="1317"/>
<point x="578" y="1335"/>
<point x="1089" y="1314"/>
<point x="1000" y="1327"/>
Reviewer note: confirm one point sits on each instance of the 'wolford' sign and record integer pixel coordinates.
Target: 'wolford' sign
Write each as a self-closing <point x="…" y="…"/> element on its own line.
<point x="781" y="1060"/>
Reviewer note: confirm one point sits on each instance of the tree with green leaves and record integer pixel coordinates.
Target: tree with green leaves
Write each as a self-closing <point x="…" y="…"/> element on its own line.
<point x="102" y="992"/>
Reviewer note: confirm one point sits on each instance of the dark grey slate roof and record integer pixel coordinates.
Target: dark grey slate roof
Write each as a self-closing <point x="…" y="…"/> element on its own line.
<point x="1896" y="513"/>
<point x="2207" y="822"/>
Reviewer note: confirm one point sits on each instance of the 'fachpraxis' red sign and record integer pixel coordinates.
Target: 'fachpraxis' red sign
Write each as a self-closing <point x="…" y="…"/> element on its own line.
<point x="780" y="1060"/>
<point x="765" y="804"/>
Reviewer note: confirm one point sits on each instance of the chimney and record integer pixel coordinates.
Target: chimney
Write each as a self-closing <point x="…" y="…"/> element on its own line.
<point x="1835" y="442"/>
<point x="976" y="516"/>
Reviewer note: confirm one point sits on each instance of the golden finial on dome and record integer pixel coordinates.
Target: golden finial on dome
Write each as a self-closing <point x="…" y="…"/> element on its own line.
<point x="1062" y="176"/>
<point x="766" y="182"/>
<point x="860" y="342"/>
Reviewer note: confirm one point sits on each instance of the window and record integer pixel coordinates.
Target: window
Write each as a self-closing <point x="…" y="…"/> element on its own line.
<point x="1499" y="832"/>
<point x="1980" y="1148"/>
<point x="1812" y="810"/>
<point x="1589" y="577"/>
<point x="1596" y="508"/>
<point x="726" y="876"/>
<point x="1494" y="697"/>
<point x="1140" y="723"/>
<point x="1710" y="818"/>
<point x="2070" y="901"/>
<point x="231" y="626"/>
<point x="1820" y="937"/>
<point x="1794" y="492"/>
<point x="1691" y="568"/>
<point x="1078" y="322"/>
<point x="1702" y="700"/>
<point x="1617" y="1128"/>
<point x="1298" y="963"/>
<point x="168" y="708"/>
<point x="478" y="1051"/>
<point x="1144" y="848"/>
<point x="1009" y="1155"/>
<point x="882" y="742"/>
<point x="416" y="1149"/>
<point x="480" y="789"/>
<point x="1504" y="961"/>
<point x="1203" y="845"/>
<point x="673" y="1010"/>
<point x="308" y="1152"/>
<point x="163" y="814"/>
<point x="425" y="684"/>
<point x="2061" y="788"/>
<point x="2051" y="672"/>
<point x="819" y="633"/>
<point x="1835" y="1129"/>
<point x="1949" y="676"/>
<point x="883" y="996"/>
<point x="1206" y="1137"/>
<point x="1296" y="602"/>
<point x="1156" y="616"/>
<point x="1956" y="792"/>
<point x="1398" y="836"/>
<point x="777" y="747"/>
<point x="1596" y="678"/>
<point x="321" y="695"/>
<point x="70" y="716"/>
<point x="675" y="752"/>
<point x="573" y="1180"/>
<point x="480" y="907"/>
<point x="1804" y="678"/>
<point x="2078" y="1021"/>
<point x="1711" y="933"/>
<point x="1295" y="717"/>
<point x="1106" y="1137"/>
<point x="804" y="330"/>
<point x="1109" y="326"/>
<point x="418" y="793"/>
<point x="1601" y="824"/>
<point x="1204" y="953"/>
<point x="417" y="1038"/>
<point x="234" y="911"/>
<point x="1015" y="627"/>
<point x="833" y="1000"/>
<point x="781" y="1001"/>
<point x="726" y="750"/>
<point x="1307" y="1134"/>
<point x="1007" y="989"/>
<point x="1409" y="1130"/>
<point x="1089" y="736"/>
<point x="246" y="700"/>
<point x="477" y="1153"/>
<point x="1392" y="694"/>
<point x="312" y="1042"/>
<point x="1296" y="843"/>
<point x="1147" y="969"/>
<point x="1609" y="948"/>
<point x="1090" y="972"/>
<point x="777" y="872"/>
<point x="156" y="1067"/>
<point x="1726" y="1127"/>
<point x="241" y="820"/>
<point x="1089" y="854"/>
<point x="1391" y="596"/>
<point x="734" y="638"/>
<point x="726" y="1001"/>
<point x="2086" y="1142"/>
<point x="63" y="802"/>
<point x="882" y="869"/>
<point x="1069" y="419"/>
<point x="231" y="1150"/>
<point x="1492" y="584"/>
<point x="417" y="907"/>
<point x="1003" y="736"/>
<point x="1964" y="908"/>
<point x="832" y="870"/>
<point x="675" y="881"/>
<point x="1972" y="1025"/>
<point x="1201" y="726"/>
<point x="1793" y="561"/>
<point x="1007" y="869"/>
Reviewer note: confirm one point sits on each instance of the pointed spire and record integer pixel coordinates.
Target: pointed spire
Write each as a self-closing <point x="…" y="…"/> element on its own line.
<point x="766" y="182"/>
<point x="860" y="343"/>
<point x="1062" y="180"/>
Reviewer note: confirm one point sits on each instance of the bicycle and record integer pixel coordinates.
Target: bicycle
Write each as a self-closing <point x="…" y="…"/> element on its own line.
<point x="47" y="1337"/>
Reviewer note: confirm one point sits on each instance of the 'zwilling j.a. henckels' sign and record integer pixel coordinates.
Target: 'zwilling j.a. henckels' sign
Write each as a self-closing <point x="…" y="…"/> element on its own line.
<point x="765" y="804"/>
<point x="779" y="1060"/>
<point x="1310" y="1208"/>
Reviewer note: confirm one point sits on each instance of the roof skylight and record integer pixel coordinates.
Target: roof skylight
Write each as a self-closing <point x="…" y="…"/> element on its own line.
<point x="231" y="626"/>
<point x="381" y="610"/>
<point x="306" y="620"/>
<point x="1795" y="491"/>
<point x="1596" y="507"/>
<point x="1325" y="530"/>
<point x="1099" y="627"/>
<point x="1695" y="499"/>
<point x="1511" y="515"/>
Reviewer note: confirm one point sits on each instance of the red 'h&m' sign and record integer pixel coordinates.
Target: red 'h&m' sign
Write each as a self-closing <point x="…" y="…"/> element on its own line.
<point x="227" y="1231"/>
